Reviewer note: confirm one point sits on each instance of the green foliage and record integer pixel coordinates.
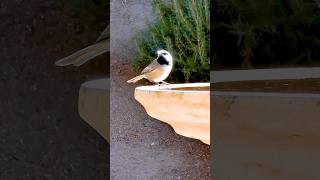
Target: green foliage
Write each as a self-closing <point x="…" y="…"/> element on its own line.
<point x="266" y="32"/>
<point x="182" y="28"/>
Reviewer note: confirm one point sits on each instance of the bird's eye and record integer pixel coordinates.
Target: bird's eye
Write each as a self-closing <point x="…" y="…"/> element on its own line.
<point x="165" y="53"/>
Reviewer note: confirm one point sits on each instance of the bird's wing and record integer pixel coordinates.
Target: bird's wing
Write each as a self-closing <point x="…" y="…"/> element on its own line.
<point x="105" y="34"/>
<point x="152" y="66"/>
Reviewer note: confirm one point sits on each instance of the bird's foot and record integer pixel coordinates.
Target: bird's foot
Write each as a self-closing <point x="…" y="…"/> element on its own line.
<point x="162" y="84"/>
<point x="159" y="84"/>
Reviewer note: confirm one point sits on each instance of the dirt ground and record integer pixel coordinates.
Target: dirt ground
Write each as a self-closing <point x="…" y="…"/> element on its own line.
<point x="143" y="148"/>
<point x="41" y="133"/>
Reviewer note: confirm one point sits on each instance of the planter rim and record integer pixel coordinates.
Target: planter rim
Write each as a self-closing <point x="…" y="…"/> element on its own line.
<point x="265" y="74"/>
<point x="265" y="94"/>
<point x="171" y="88"/>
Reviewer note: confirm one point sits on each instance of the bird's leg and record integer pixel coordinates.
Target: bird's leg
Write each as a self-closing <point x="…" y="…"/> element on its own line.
<point x="159" y="84"/>
<point x="163" y="82"/>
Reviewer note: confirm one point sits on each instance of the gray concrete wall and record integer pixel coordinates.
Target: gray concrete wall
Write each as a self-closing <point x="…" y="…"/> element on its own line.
<point x="93" y="105"/>
<point x="266" y="135"/>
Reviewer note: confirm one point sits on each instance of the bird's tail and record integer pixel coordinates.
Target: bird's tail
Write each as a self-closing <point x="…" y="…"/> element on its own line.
<point x="137" y="78"/>
<point x="80" y="57"/>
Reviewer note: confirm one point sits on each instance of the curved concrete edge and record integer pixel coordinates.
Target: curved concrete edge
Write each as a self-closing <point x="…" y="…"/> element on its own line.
<point x="187" y="111"/>
<point x="265" y="74"/>
<point x="93" y="105"/>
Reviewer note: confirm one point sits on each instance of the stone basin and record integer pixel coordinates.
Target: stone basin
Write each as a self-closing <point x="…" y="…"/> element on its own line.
<point x="186" y="107"/>
<point x="93" y="105"/>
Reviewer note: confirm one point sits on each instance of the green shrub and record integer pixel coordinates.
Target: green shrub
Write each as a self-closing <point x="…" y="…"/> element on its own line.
<point x="182" y="28"/>
<point x="266" y="32"/>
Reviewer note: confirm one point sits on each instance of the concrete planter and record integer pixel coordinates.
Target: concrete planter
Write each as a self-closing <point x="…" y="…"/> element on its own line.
<point x="259" y="135"/>
<point x="94" y="105"/>
<point x="186" y="107"/>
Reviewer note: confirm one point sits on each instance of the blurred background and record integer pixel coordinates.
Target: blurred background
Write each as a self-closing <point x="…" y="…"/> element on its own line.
<point x="274" y="33"/>
<point x="41" y="133"/>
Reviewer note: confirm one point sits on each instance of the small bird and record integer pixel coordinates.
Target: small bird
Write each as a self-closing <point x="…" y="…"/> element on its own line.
<point x="158" y="70"/>
<point x="80" y="57"/>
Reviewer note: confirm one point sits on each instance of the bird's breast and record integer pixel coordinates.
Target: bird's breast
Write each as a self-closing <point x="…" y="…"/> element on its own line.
<point x="159" y="74"/>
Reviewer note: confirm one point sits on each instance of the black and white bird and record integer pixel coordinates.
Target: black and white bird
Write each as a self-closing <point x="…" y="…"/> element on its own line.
<point x="158" y="70"/>
<point x="80" y="57"/>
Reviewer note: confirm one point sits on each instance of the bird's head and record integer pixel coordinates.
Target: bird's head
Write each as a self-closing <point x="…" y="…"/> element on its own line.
<point x="165" y="54"/>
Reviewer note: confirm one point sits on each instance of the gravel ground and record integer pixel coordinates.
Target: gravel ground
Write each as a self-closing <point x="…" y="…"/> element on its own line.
<point x="143" y="147"/>
<point x="41" y="133"/>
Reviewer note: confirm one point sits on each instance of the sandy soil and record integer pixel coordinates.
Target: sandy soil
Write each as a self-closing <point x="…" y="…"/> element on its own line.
<point x="41" y="133"/>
